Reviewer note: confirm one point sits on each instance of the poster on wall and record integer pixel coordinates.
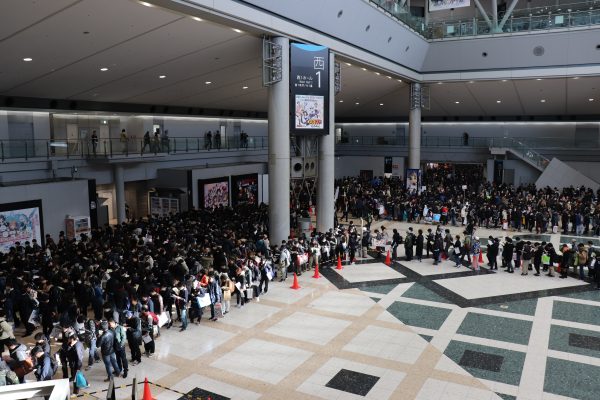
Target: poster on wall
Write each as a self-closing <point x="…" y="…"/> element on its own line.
<point x="244" y="189"/>
<point x="309" y="89"/>
<point x="20" y="222"/>
<point x="214" y="192"/>
<point x="437" y="5"/>
<point x="413" y="179"/>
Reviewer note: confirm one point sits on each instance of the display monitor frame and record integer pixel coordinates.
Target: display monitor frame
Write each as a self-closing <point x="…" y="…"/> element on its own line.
<point x="19" y="206"/>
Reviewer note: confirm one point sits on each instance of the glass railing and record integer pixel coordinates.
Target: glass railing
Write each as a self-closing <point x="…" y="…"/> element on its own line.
<point x="525" y="152"/>
<point x="525" y="20"/>
<point x="110" y="148"/>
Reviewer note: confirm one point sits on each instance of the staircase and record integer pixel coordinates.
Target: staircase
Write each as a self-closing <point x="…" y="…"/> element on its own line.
<point x="501" y="146"/>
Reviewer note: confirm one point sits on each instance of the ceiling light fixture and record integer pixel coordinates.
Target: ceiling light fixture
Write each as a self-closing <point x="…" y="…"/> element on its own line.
<point x="380" y="104"/>
<point x="400" y="80"/>
<point x="162" y="76"/>
<point x="377" y="73"/>
<point x="498" y="101"/>
<point x="357" y="103"/>
<point x="348" y="64"/>
<point x="197" y="19"/>
<point x="457" y="102"/>
<point x="27" y="59"/>
<point x="146" y="4"/>
<point x="389" y="77"/>
<point x="575" y="77"/>
<point x="439" y="83"/>
<point x="341" y="101"/>
<point x="364" y="69"/>
<point x="244" y="87"/>
<point x="538" y="79"/>
<point x="503" y="80"/>
<point x="590" y="99"/>
<point x="236" y="30"/>
<point x="471" y="81"/>
<point x="207" y="82"/>
<point x="542" y="100"/>
<point x="103" y="69"/>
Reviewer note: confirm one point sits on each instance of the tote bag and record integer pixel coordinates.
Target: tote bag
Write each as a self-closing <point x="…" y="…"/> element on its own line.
<point x="80" y="380"/>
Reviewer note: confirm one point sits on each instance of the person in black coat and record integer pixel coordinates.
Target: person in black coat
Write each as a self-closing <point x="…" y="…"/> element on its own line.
<point x="492" y="252"/>
<point x="419" y="245"/>
<point x="106" y="344"/>
<point x="507" y="255"/>
<point x="396" y="240"/>
<point x="44" y="370"/>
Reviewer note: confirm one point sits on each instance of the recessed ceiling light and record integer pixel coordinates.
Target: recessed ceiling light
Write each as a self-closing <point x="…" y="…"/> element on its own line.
<point x="236" y="30"/>
<point x="103" y="69"/>
<point x="503" y="80"/>
<point x="575" y="77"/>
<point x="389" y="77"/>
<point x="341" y="101"/>
<point x="471" y="81"/>
<point x="207" y="82"/>
<point x="27" y="59"/>
<point x="542" y="100"/>
<point x="197" y="19"/>
<point x="498" y="101"/>
<point x="357" y="103"/>
<point x="457" y="102"/>
<point x="590" y="99"/>
<point x="364" y="69"/>
<point x="146" y="4"/>
<point x="380" y="104"/>
<point x="348" y="64"/>
<point x="377" y="73"/>
<point x="244" y="87"/>
<point x="162" y="76"/>
<point x="538" y="79"/>
<point x="439" y="83"/>
<point x="400" y="80"/>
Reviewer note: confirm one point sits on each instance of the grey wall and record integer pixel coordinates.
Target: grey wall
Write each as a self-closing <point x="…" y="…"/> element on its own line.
<point x="59" y="199"/>
<point x="558" y="174"/>
<point x="524" y="174"/>
<point x="352" y="165"/>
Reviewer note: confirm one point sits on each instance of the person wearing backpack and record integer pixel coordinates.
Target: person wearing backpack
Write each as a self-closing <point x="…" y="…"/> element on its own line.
<point x="46" y="366"/>
<point x="21" y="362"/>
<point x="119" y="345"/>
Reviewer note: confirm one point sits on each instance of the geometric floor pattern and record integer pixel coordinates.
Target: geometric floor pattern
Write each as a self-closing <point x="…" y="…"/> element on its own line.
<point x="408" y="331"/>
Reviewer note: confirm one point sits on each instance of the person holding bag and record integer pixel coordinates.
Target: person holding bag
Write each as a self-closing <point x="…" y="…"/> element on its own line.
<point x="75" y="362"/>
<point x="215" y="293"/>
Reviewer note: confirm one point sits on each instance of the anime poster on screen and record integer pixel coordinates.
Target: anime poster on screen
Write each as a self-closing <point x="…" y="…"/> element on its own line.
<point x="244" y="189"/>
<point x="214" y="193"/>
<point x="309" y="112"/>
<point x="413" y="180"/>
<point x="20" y="222"/>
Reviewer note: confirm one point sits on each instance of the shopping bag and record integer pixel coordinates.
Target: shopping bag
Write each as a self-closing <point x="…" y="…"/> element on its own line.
<point x="163" y="319"/>
<point x="204" y="301"/>
<point x="218" y="310"/>
<point x="249" y="293"/>
<point x="146" y="338"/>
<point x="80" y="380"/>
<point x="545" y="259"/>
<point x="34" y="318"/>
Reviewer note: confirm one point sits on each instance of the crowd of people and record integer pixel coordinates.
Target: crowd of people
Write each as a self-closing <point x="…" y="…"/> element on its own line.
<point x="116" y="290"/>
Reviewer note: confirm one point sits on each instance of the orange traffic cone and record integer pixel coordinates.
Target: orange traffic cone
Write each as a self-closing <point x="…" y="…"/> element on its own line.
<point x="339" y="263"/>
<point x="295" y="285"/>
<point x="480" y="257"/>
<point x="147" y="393"/>
<point x="316" y="275"/>
<point x="388" y="260"/>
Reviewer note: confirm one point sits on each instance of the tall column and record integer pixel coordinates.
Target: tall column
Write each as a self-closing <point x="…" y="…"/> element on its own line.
<point x="414" y="127"/>
<point x="120" y="193"/>
<point x="326" y="178"/>
<point x="279" y="150"/>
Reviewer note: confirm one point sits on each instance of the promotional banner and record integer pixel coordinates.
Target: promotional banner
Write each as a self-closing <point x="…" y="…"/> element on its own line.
<point x="214" y="192"/>
<point x="413" y="179"/>
<point x="20" y="222"/>
<point x="309" y="89"/>
<point x="244" y="189"/>
<point x="437" y="5"/>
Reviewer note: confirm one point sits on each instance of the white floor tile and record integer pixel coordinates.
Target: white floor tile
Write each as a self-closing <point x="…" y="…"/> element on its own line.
<point x="368" y="272"/>
<point x="343" y="303"/>
<point x="309" y="328"/>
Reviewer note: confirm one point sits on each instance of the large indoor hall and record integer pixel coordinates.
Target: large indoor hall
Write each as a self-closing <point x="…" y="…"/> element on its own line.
<point x="303" y="200"/>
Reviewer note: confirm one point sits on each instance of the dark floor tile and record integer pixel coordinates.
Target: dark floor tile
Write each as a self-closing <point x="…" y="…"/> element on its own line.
<point x="353" y="382"/>
<point x="426" y="337"/>
<point x="201" y="394"/>
<point x="584" y="341"/>
<point x="479" y="360"/>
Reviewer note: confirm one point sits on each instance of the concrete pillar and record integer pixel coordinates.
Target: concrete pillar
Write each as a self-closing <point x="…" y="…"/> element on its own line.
<point x="326" y="178"/>
<point x="414" y="130"/>
<point x="279" y="150"/>
<point x="120" y="193"/>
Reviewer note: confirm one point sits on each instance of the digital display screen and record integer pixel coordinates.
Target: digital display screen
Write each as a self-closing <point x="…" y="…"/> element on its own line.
<point x="245" y="189"/>
<point x="309" y="112"/>
<point x="215" y="194"/>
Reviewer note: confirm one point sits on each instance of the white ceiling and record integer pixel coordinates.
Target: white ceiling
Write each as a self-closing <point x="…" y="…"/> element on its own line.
<point x="138" y="43"/>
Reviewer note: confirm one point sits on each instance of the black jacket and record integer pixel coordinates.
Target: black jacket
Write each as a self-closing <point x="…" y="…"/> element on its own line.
<point x="106" y="343"/>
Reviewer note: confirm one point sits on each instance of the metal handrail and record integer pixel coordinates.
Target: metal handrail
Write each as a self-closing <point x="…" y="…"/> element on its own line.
<point x="131" y="147"/>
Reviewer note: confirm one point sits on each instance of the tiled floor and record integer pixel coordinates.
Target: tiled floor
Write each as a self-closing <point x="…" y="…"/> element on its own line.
<point x="407" y="331"/>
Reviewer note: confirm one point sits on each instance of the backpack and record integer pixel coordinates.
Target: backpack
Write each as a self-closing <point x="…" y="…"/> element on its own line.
<point x="154" y="318"/>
